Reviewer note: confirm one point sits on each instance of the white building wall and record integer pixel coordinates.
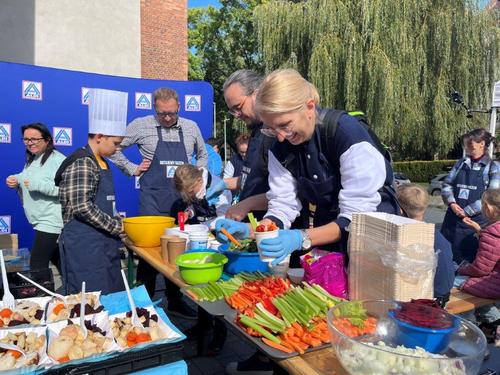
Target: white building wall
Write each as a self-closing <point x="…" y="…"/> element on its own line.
<point x="95" y="36"/>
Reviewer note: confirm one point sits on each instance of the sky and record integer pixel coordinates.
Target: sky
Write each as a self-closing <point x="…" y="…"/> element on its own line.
<point x="202" y="3"/>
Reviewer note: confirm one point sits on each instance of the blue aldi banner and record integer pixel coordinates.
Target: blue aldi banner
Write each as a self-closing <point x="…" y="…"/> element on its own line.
<point x="59" y="99"/>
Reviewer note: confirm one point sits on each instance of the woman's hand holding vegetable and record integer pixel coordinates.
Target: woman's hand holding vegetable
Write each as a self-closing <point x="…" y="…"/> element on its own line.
<point x="282" y="246"/>
<point x="237" y="229"/>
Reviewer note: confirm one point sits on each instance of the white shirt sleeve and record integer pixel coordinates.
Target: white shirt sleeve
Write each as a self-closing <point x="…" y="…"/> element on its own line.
<point x="362" y="171"/>
<point x="284" y="203"/>
<point x="228" y="170"/>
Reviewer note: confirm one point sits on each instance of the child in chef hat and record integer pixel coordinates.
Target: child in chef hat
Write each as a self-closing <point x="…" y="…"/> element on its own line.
<point x="88" y="244"/>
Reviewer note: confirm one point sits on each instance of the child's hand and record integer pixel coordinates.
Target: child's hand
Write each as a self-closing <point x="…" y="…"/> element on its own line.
<point x="471" y="223"/>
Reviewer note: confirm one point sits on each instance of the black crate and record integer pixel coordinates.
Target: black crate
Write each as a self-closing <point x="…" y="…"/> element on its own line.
<point x="125" y="363"/>
<point x="21" y="288"/>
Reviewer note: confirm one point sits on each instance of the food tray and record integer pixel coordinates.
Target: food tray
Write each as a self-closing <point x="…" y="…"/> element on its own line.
<point x="73" y="299"/>
<point x="217" y="308"/>
<point x="42" y="352"/>
<point x="271" y="352"/>
<point x="126" y="363"/>
<point x="101" y="320"/>
<point x="171" y="334"/>
<point x="41" y="301"/>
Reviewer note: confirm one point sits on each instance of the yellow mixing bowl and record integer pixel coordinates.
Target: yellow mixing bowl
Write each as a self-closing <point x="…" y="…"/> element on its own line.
<point x="145" y="231"/>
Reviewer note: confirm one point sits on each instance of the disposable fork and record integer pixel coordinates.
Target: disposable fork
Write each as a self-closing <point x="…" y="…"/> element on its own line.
<point x="82" y="311"/>
<point x="135" y="319"/>
<point x="49" y="292"/>
<point x="8" y="298"/>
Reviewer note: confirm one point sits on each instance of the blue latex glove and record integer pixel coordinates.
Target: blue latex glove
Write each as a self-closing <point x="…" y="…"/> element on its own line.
<point x="238" y="229"/>
<point x="282" y="246"/>
<point x="214" y="191"/>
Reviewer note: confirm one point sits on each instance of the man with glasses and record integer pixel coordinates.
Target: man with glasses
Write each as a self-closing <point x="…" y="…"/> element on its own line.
<point x="165" y="141"/>
<point x="240" y="90"/>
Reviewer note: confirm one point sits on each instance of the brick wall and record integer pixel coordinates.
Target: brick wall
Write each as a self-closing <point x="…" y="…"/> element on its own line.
<point x="164" y="39"/>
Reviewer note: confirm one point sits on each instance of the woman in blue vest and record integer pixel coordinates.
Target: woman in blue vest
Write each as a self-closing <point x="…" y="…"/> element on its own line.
<point x="462" y="189"/>
<point x="314" y="184"/>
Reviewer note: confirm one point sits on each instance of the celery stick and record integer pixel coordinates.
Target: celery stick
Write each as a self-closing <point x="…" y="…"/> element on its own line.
<point x="249" y="322"/>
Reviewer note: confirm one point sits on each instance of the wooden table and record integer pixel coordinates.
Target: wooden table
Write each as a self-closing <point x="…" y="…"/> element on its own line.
<point x="319" y="362"/>
<point x="315" y="363"/>
<point x="461" y="302"/>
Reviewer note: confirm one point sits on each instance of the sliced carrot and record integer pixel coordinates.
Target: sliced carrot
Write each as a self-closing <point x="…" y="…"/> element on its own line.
<point x="14" y="353"/>
<point x="143" y="337"/>
<point x="131" y="336"/>
<point x="63" y="359"/>
<point x="58" y="308"/>
<point x="274" y="345"/>
<point x="130" y="343"/>
<point x="5" y="313"/>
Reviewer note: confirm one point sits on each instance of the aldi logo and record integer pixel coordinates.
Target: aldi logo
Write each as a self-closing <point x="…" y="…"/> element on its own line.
<point x="62" y="136"/>
<point x="171" y="171"/>
<point x="192" y="103"/>
<point x="142" y="100"/>
<point x="85" y="95"/>
<point x="5" y="133"/>
<point x="32" y="90"/>
<point x="4" y="224"/>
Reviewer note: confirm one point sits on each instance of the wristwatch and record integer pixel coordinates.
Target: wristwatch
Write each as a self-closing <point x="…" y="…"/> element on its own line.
<point x="306" y="240"/>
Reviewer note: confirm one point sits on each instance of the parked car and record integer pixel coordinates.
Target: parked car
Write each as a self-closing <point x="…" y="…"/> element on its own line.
<point x="400" y="179"/>
<point x="436" y="184"/>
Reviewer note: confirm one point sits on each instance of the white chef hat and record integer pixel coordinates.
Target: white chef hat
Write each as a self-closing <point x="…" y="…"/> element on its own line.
<point x="107" y="112"/>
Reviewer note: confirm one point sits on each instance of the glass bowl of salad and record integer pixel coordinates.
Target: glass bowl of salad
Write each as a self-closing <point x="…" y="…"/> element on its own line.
<point x="367" y="339"/>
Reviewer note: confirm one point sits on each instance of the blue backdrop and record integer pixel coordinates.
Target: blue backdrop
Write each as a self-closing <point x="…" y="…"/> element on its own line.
<point x="57" y="98"/>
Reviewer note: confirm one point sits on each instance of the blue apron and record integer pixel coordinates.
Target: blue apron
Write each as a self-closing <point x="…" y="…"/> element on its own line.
<point x="158" y="194"/>
<point x="90" y="254"/>
<point x="468" y="187"/>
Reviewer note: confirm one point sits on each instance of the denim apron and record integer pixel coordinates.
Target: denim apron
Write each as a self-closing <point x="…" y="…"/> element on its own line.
<point x="158" y="195"/>
<point x="468" y="187"/>
<point x="90" y="254"/>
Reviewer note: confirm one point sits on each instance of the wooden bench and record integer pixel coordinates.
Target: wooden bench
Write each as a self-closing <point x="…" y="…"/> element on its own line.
<point x="461" y="302"/>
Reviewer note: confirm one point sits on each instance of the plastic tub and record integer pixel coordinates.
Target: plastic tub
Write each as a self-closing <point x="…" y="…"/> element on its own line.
<point x="242" y="262"/>
<point x="200" y="273"/>
<point x="432" y="340"/>
<point x="145" y="231"/>
<point x="198" y="240"/>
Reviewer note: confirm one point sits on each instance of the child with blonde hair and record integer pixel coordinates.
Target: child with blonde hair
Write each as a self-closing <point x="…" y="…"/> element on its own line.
<point x="192" y="183"/>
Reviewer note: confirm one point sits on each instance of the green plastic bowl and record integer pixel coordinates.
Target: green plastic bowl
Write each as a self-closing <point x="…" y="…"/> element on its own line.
<point x="196" y="273"/>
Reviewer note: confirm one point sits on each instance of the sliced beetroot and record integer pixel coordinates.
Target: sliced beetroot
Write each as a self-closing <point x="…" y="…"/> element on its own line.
<point x="422" y="313"/>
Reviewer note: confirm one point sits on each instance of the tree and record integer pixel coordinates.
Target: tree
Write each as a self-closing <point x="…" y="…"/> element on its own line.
<point x="396" y="60"/>
<point x="222" y="40"/>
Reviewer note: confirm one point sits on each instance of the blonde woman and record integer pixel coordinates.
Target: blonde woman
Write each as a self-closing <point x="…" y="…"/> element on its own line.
<point x="192" y="183"/>
<point x="314" y="184"/>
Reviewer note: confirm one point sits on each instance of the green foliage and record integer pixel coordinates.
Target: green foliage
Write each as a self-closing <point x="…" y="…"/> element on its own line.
<point x="422" y="171"/>
<point x="395" y="60"/>
<point x="222" y="40"/>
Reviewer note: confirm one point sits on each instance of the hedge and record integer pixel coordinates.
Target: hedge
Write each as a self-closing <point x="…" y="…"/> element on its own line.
<point x="422" y="171"/>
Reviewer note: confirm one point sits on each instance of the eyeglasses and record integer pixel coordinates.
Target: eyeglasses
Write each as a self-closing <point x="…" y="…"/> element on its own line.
<point x="236" y="110"/>
<point x="167" y="114"/>
<point x="31" y="140"/>
<point x="286" y="131"/>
